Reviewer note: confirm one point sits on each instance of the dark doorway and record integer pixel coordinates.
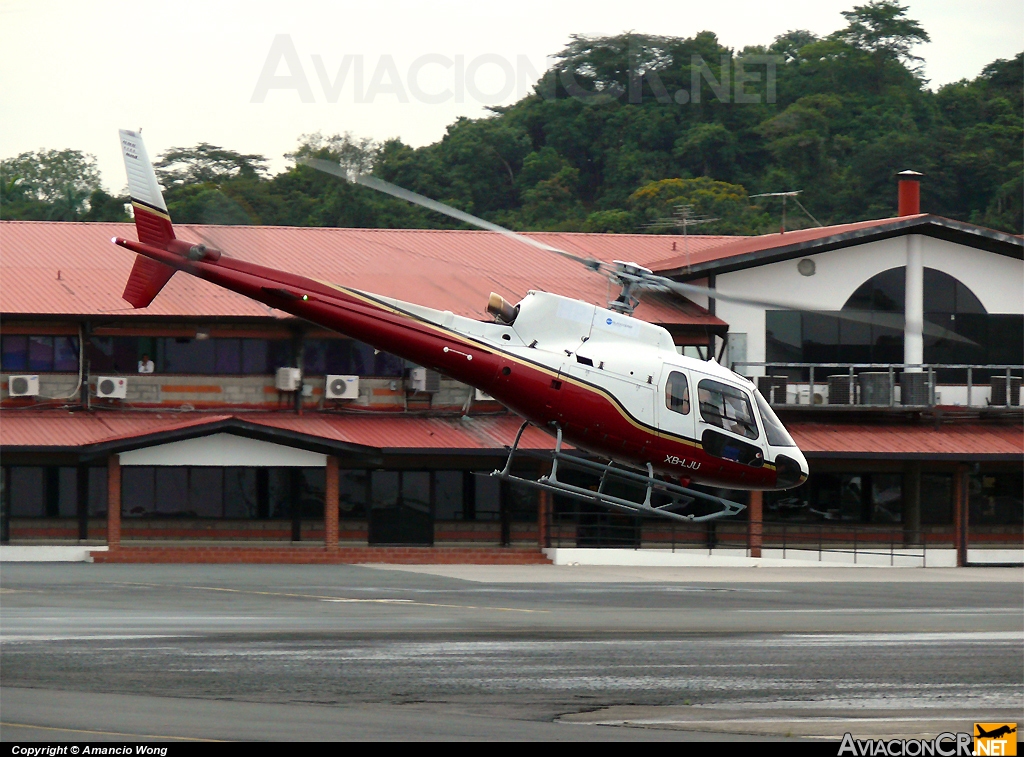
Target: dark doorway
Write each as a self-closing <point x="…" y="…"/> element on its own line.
<point x="400" y="508"/>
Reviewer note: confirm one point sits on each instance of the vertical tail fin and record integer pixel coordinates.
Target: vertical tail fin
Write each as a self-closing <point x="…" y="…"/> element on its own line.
<point x="152" y="222"/>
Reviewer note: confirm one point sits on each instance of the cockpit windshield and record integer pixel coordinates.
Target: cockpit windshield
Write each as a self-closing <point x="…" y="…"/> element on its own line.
<point x="773" y="428"/>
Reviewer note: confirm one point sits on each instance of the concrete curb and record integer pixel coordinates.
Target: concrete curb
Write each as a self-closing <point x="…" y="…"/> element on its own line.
<point x="48" y="553"/>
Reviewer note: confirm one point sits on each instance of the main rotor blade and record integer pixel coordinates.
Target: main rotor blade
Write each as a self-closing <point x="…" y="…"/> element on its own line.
<point x="889" y="320"/>
<point x="439" y="207"/>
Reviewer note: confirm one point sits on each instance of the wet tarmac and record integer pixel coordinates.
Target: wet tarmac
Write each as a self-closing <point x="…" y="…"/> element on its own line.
<point x="353" y="652"/>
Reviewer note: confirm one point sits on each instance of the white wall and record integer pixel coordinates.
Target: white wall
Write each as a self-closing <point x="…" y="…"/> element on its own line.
<point x="998" y="281"/>
<point x="224" y="450"/>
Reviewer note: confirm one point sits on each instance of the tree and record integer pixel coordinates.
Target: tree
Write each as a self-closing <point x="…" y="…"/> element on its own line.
<point x="708" y="149"/>
<point x="206" y="164"/>
<point x="788" y="45"/>
<point x="717" y="199"/>
<point x="882" y="29"/>
<point x="53" y="176"/>
<point x="357" y="155"/>
<point x="103" y="207"/>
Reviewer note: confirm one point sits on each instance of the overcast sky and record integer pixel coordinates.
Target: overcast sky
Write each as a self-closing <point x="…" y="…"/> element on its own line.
<point x="72" y="73"/>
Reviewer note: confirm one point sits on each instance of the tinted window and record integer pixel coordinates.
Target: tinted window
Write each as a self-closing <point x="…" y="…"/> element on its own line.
<point x="677" y="393"/>
<point x="40" y="353"/>
<point x="773" y="428"/>
<point x="188" y="356"/>
<point x="228" y="355"/>
<point x="65" y="353"/>
<point x="449" y="495"/>
<point x="726" y="407"/>
<point x="15" y="353"/>
<point x="352" y="492"/>
<point x="254" y="356"/>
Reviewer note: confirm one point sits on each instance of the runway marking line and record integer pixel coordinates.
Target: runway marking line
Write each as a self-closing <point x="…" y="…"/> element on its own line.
<point x="900" y="610"/>
<point x="405" y="602"/>
<point x="105" y="733"/>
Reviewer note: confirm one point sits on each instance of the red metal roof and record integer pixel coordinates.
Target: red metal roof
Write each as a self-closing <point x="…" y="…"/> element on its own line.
<point x="967" y="440"/>
<point x="743" y="245"/>
<point x="748" y="251"/>
<point x="39" y="430"/>
<point x="447" y="270"/>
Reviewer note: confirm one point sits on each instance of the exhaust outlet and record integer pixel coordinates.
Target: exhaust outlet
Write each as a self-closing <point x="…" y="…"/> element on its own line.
<point x="502" y="310"/>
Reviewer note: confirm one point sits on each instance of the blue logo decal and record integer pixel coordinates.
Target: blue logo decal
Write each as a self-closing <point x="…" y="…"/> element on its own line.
<point x="609" y="321"/>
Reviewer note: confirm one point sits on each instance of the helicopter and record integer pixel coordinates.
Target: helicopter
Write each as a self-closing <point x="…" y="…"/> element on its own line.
<point x="595" y="378"/>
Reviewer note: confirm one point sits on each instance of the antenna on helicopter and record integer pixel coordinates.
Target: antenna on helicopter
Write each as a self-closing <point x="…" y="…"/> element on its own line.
<point x="784" y="196"/>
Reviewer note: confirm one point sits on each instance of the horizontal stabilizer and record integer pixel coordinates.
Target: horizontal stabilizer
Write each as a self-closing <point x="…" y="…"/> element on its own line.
<point x="147" y="279"/>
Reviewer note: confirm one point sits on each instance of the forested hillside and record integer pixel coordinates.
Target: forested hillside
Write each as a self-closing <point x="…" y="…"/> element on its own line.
<point x="625" y="129"/>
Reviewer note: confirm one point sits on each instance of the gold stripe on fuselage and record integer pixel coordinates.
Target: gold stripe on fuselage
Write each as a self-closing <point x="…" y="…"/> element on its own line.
<point x="449" y="333"/>
<point x="140" y="205"/>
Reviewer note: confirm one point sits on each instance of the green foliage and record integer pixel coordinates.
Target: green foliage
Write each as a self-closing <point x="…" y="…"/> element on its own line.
<point x="47" y="185"/>
<point x="659" y="202"/>
<point x="206" y="164"/>
<point x="881" y="28"/>
<point x="623" y="128"/>
<point x="611" y="222"/>
<point x="103" y="207"/>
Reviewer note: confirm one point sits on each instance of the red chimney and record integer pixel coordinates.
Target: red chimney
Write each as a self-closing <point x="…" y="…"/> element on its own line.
<point x="909" y="193"/>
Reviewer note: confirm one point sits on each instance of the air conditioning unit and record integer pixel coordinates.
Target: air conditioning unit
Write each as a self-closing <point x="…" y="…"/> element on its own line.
<point x="479" y="396"/>
<point x="422" y="380"/>
<point x="26" y="386"/>
<point x="341" y="388"/>
<point x="288" y="379"/>
<point x="113" y="387"/>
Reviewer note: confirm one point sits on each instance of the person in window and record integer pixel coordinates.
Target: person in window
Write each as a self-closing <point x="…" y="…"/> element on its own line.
<point x="146" y="365"/>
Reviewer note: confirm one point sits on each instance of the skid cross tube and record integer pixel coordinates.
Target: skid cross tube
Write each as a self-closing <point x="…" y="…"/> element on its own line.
<point x="680" y="496"/>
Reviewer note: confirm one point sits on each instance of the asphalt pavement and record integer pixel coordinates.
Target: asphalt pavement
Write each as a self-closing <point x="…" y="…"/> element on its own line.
<point x="504" y="652"/>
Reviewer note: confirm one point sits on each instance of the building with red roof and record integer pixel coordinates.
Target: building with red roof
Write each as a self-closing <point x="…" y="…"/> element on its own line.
<point x="210" y="446"/>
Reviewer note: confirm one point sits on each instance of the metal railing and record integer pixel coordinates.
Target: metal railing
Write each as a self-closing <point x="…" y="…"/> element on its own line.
<point x="574" y="530"/>
<point x="1009" y="374"/>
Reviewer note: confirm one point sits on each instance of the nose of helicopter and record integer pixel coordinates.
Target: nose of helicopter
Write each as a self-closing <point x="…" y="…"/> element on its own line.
<point x="790" y="469"/>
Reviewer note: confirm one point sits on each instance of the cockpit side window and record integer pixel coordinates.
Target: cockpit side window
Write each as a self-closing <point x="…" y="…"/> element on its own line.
<point x="677" y="393"/>
<point x="726" y="407"/>
<point x="773" y="428"/>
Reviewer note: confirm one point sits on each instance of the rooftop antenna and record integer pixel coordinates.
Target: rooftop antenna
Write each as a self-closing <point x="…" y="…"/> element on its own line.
<point x="683" y="217"/>
<point x="784" y="196"/>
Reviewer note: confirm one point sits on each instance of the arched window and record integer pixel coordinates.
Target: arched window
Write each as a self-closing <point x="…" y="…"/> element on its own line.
<point x="949" y="305"/>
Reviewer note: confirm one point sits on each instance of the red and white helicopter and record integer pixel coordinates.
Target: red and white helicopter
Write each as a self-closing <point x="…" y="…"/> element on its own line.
<point x="593" y="377"/>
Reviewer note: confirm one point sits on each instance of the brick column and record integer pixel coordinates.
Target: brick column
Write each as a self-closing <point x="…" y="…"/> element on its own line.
<point x="960" y="514"/>
<point x="755" y="523"/>
<point x="114" y="501"/>
<point x="331" y="504"/>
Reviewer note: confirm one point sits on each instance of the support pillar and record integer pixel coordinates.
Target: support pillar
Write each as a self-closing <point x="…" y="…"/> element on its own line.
<point x="913" y="332"/>
<point x="755" y="524"/>
<point x="960" y="510"/>
<point x="543" y="522"/>
<point x="912" y="503"/>
<point x="331" y="504"/>
<point x="114" y="501"/>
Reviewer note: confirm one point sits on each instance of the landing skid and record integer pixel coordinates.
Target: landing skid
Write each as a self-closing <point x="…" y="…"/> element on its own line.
<point x="679" y="496"/>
